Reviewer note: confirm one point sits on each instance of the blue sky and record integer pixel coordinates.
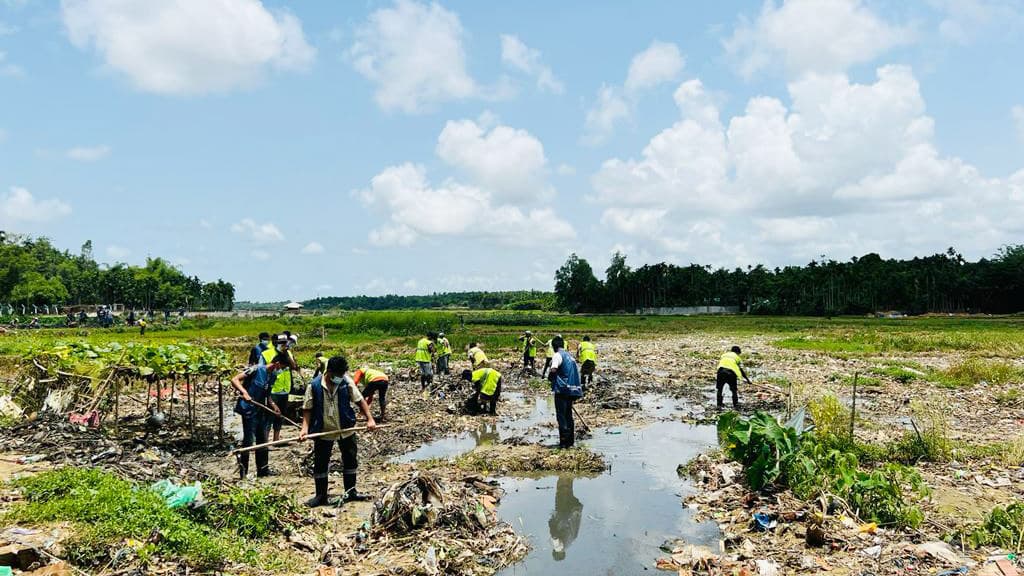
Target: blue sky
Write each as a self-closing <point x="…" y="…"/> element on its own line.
<point x="408" y="147"/>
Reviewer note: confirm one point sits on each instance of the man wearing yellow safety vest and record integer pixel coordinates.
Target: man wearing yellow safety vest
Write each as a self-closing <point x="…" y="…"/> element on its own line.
<point x="444" y="354"/>
<point x="321" y="364"/>
<point x="373" y="381"/>
<point x="529" y="352"/>
<point x="549" y="354"/>
<point x="487" y="384"/>
<point x="477" y="358"/>
<point x="730" y="368"/>
<point x="425" y="359"/>
<point x="281" y="379"/>
<point x="586" y="352"/>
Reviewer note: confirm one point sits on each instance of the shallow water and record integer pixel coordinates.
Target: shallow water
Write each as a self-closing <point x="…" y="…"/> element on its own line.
<point x="612" y="523"/>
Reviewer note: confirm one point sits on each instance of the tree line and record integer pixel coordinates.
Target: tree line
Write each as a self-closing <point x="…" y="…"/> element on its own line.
<point x="33" y="271"/>
<point x="511" y="300"/>
<point x="943" y="283"/>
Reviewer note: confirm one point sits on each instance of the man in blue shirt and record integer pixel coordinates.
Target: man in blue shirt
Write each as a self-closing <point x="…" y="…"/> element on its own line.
<point x="257" y="351"/>
<point x="565" y="383"/>
<point x="253" y="385"/>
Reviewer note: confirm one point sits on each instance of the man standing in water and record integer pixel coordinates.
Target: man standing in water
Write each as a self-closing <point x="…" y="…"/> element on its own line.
<point x="565" y="383"/>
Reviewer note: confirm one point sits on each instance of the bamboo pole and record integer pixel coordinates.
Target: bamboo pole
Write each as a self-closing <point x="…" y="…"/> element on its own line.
<point x="853" y="409"/>
<point x="220" y="408"/>
<point x="308" y="437"/>
<point x="271" y="410"/>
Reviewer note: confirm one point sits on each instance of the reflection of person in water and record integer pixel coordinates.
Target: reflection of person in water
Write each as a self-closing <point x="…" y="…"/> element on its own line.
<point x="564" y="524"/>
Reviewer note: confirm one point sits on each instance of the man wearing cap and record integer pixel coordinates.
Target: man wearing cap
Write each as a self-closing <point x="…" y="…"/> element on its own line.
<point x="444" y="354"/>
<point x="529" y="352"/>
<point x="253" y="385"/>
<point x="487" y="384"/>
<point x="327" y="407"/>
<point x="374" y="382"/>
<point x="281" y="378"/>
<point x="730" y="369"/>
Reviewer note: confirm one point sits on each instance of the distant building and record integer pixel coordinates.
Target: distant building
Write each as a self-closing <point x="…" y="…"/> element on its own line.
<point x="292" y="307"/>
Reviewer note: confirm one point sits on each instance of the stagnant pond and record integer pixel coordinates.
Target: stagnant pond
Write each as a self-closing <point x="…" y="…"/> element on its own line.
<point x="611" y="523"/>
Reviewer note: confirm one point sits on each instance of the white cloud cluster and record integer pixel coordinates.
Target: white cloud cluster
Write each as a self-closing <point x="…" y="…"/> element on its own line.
<point x="19" y="207"/>
<point x="528" y="60"/>
<point x="414" y="54"/>
<point x="260" y="234"/>
<point x="186" y="47"/>
<point x="965" y="20"/>
<point x="823" y="36"/>
<point x="505" y="167"/>
<point x="89" y="153"/>
<point x="659" y="63"/>
<point x="313" y="248"/>
<point x="844" y="169"/>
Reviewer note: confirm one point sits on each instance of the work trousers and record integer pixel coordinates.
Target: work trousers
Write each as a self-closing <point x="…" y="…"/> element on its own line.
<point x="442" y="364"/>
<point x="254" y="431"/>
<point x="322" y="458"/>
<point x="379" y="387"/>
<point x="529" y="362"/>
<point x="491" y="401"/>
<point x="281" y="401"/>
<point x="726" y="376"/>
<point x="566" y="424"/>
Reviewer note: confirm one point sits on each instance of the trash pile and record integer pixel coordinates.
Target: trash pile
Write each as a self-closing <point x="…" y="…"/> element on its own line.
<point x="450" y="526"/>
<point x="507" y="458"/>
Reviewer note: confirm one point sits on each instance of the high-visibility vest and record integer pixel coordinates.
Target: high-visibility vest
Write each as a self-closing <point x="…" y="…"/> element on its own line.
<point x="477" y="357"/>
<point x="551" y="350"/>
<point x="488" y="380"/>
<point x="731" y="361"/>
<point x="423" y="350"/>
<point x="530" y="348"/>
<point x="588" y="352"/>
<point x="371" y="375"/>
<point x="283" y="381"/>
<point x="444" y="346"/>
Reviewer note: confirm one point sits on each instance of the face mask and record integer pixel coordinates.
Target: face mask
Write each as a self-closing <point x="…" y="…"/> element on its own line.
<point x="337" y="380"/>
<point x="278" y="372"/>
<point x="281" y="348"/>
<point x="264" y="342"/>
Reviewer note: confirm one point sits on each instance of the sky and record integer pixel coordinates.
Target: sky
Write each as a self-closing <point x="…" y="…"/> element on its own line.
<point x="368" y="147"/>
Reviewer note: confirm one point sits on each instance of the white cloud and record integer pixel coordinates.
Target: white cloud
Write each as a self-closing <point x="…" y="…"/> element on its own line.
<point x="417" y="209"/>
<point x="19" y="207"/>
<point x="844" y="169"/>
<point x="965" y="20"/>
<point x="1017" y="112"/>
<point x="117" y="253"/>
<point x="205" y="224"/>
<point x="89" y="153"/>
<point x="659" y="63"/>
<point x="525" y="59"/>
<point x="821" y="36"/>
<point x="566" y="170"/>
<point x="313" y="248"/>
<point x="265" y="233"/>
<point x="7" y="68"/>
<point x="508" y="162"/>
<point x="185" y="47"/>
<point x="260" y="255"/>
<point x="413" y="52"/>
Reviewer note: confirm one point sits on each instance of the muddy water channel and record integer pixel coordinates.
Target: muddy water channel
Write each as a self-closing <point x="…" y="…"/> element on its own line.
<point x="611" y="523"/>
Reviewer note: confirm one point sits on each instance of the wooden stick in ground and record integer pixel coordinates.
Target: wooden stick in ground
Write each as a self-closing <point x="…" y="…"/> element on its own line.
<point x="308" y="437"/>
<point x="582" y="421"/>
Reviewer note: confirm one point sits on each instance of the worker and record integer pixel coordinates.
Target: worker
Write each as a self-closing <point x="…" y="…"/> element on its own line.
<point x="327" y="407"/>
<point x="253" y="385"/>
<point x="487" y="388"/>
<point x="444" y="354"/>
<point x="425" y="359"/>
<point x="256" y="354"/>
<point x="142" y="326"/>
<point x="529" y="352"/>
<point x="587" y="354"/>
<point x="730" y="368"/>
<point x="373" y="381"/>
<point x="281" y="378"/>
<point x="565" y="383"/>
<point x="549" y="355"/>
<point x="477" y="358"/>
<point x="321" y="364"/>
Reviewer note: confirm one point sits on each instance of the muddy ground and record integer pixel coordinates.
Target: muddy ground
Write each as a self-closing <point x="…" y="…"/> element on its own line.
<point x="640" y="382"/>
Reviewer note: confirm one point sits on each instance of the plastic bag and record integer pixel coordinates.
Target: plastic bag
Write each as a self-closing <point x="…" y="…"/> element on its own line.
<point x="177" y="496"/>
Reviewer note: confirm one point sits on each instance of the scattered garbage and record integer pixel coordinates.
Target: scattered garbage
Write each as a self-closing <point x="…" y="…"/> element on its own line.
<point x="177" y="496"/>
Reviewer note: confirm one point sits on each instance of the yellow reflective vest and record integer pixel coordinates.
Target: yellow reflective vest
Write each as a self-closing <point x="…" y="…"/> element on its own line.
<point x="371" y="375"/>
<point x="731" y="360"/>
<point x="487" y="378"/>
<point x="283" y="382"/>
<point x="444" y="347"/>
<point x="530" y="348"/>
<point x="423" y="350"/>
<point x="477" y="357"/>
<point x="551" y="350"/>
<point x="588" y="351"/>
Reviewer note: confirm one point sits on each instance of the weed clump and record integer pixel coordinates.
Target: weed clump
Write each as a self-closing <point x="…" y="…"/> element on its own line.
<point x="1001" y="528"/>
<point x="106" y="511"/>
<point x="531" y="458"/>
<point x="981" y="370"/>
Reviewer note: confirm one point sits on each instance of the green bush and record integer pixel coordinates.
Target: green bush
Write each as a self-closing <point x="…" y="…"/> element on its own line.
<point x="1002" y="527"/>
<point x="831" y="422"/>
<point x="981" y="370"/>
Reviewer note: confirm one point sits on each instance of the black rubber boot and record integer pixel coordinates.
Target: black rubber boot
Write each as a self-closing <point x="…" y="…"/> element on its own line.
<point x="320" y="498"/>
<point x="243" y="466"/>
<point x="351" y="494"/>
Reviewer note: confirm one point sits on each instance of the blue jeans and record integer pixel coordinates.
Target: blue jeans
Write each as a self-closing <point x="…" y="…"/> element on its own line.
<point x="566" y="424"/>
<point x="254" y="431"/>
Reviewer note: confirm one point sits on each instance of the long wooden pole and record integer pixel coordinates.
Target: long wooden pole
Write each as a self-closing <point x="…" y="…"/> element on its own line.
<point x="270" y="410"/>
<point x="308" y="437"/>
<point x="582" y="421"/>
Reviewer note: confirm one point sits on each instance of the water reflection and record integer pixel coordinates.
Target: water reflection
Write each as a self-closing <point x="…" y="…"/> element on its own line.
<point x="564" y="524"/>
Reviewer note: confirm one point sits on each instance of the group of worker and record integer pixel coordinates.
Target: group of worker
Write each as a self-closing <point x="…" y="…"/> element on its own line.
<point x="330" y="400"/>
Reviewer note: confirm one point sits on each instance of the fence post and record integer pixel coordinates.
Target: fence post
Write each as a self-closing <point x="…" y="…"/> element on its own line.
<point x="853" y="410"/>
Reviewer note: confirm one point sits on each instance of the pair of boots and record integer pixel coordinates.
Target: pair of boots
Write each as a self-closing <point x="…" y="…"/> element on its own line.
<point x="425" y="381"/>
<point x="262" y="470"/>
<point x="351" y="494"/>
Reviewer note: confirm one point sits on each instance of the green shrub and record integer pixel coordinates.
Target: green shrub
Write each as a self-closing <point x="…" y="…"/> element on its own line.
<point x="1011" y="397"/>
<point x="981" y="370"/>
<point x="1002" y="527"/>
<point x="831" y="422"/>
